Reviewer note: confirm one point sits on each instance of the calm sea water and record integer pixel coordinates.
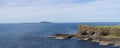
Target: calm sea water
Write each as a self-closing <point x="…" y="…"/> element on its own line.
<point x="35" y="35"/>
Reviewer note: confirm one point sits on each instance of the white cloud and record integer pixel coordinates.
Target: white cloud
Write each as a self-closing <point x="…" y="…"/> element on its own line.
<point x="59" y="11"/>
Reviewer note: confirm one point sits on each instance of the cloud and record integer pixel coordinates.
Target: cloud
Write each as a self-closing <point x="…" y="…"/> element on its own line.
<point x="60" y="10"/>
<point x="40" y="2"/>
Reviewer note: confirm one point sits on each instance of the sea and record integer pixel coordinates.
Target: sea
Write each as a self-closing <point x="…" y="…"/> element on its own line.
<point x="35" y="35"/>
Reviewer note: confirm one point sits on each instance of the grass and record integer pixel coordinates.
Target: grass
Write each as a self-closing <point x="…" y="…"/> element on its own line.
<point x="117" y="26"/>
<point x="112" y="36"/>
<point x="113" y="27"/>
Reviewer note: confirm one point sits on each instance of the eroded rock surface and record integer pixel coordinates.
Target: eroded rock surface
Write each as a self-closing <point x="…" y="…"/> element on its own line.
<point x="104" y="35"/>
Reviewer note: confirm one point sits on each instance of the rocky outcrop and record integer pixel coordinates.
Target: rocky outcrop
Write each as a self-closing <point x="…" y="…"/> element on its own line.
<point x="104" y="35"/>
<point x="62" y="36"/>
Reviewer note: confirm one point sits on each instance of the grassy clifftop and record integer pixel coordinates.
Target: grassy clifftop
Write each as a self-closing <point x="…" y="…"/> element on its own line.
<point x="106" y="31"/>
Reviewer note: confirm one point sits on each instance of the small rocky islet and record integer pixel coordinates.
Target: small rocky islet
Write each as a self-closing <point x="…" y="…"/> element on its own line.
<point x="104" y="35"/>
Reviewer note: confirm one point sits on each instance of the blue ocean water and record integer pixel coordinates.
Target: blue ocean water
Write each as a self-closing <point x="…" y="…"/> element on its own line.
<point x="36" y="35"/>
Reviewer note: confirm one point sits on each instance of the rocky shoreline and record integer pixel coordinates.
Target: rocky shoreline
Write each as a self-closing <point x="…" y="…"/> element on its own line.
<point x="87" y="33"/>
<point x="100" y="40"/>
<point x="62" y="36"/>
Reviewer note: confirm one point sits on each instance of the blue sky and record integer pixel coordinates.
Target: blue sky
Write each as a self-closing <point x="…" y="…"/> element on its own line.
<point x="17" y="11"/>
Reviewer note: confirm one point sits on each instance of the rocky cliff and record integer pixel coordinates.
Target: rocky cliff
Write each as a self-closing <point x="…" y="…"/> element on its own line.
<point x="104" y="35"/>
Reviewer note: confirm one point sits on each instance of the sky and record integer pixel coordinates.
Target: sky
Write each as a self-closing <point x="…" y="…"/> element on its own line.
<point x="18" y="11"/>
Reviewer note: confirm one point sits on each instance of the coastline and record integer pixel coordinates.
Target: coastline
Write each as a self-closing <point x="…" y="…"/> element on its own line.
<point x="100" y="40"/>
<point x="93" y="34"/>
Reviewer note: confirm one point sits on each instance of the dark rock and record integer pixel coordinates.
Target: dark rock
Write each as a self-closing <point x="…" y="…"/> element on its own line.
<point x="62" y="36"/>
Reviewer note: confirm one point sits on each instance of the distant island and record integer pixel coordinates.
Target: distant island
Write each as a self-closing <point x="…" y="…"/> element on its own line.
<point x="37" y="22"/>
<point x="45" y="22"/>
<point x="104" y="35"/>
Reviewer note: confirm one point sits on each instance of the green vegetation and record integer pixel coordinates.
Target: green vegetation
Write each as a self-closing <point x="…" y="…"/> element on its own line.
<point x="112" y="36"/>
<point x="109" y="31"/>
<point x="117" y="26"/>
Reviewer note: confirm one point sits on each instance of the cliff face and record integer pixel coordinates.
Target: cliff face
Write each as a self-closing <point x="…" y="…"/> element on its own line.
<point x="99" y="30"/>
<point x="88" y="30"/>
<point x="104" y="35"/>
